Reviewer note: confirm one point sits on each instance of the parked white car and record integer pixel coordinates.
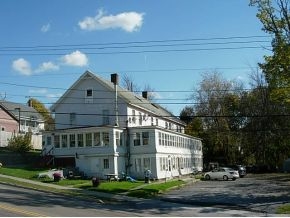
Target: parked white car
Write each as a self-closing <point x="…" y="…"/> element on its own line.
<point x="223" y="173"/>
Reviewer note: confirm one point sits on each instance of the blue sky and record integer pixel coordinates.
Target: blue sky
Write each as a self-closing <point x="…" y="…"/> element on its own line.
<point x="46" y="45"/>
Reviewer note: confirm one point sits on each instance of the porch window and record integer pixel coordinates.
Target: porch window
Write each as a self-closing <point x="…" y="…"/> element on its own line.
<point x="80" y="140"/>
<point x="137" y="140"/>
<point x="159" y="138"/>
<point x="97" y="139"/>
<point x="145" y="138"/>
<point x="64" y="141"/>
<point x="89" y="139"/>
<point x="106" y="164"/>
<point x="72" y="139"/>
<point x="56" y="141"/>
<point x="106" y="139"/>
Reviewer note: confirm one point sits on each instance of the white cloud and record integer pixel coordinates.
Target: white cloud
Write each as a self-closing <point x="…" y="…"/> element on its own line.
<point x="53" y="96"/>
<point x="128" y="21"/>
<point x="47" y="66"/>
<point x="38" y="91"/>
<point x="22" y="66"/>
<point x="76" y="58"/>
<point x="45" y="28"/>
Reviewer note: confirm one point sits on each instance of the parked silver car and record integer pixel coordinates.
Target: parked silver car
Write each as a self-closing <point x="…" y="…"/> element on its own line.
<point x="223" y="173"/>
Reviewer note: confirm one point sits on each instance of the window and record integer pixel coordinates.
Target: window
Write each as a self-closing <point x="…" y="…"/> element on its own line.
<point x="89" y="96"/>
<point x="89" y="139"/>
<point x="72" y="118"/>
<point x="138" y="164"/>
<point x="48" y="140"/>
<point x="80" y="140"/>
<point x="56" y="141"/>
<point x="160" y="138"/>
<point x="140" y="119"/>
<point x="72" y="139"/>
<point x="106" y="138"/>
<point x="146" y="162"/>
<point x="164" y="163"/>
<point x="97" y="139"/>
<point x="106" y="120"/>
<point x="64" y="141"/>
<point x="106" y="164"/>
<point x="145" y="138"/>
<point x="152" y="121"/>
<point x="89" y="93"/>
<point x="133" y="116"/>
<point x="137" y="140"/>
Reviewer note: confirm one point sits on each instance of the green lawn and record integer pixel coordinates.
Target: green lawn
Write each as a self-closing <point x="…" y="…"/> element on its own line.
<point x="284" y="209"/>
<point x="22" y="172"/>
<point x="149" y="190"/>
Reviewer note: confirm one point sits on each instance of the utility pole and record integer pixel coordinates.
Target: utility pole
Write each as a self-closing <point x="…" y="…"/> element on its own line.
<point x="19" y="111"/>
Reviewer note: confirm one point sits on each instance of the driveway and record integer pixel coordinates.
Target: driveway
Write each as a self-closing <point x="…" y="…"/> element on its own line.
<point x="255" y="192"/>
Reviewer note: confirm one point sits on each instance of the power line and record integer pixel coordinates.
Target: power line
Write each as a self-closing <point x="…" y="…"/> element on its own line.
<point x="168" y="116"/>
<point x="131" y="46"/>
<point x="141" y="51"/>
<point x="138" y="91"/>
<point x="134" y="42"/>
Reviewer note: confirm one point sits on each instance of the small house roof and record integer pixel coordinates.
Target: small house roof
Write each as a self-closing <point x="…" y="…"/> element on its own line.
<point x="25" y="111"/>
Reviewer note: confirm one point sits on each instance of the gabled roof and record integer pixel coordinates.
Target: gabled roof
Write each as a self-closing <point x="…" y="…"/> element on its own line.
<point x="25" y="111"/>
<point x="127" y="96"/>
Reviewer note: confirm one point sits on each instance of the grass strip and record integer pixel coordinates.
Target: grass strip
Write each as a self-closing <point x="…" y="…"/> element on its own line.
<point x="284" y="209"/>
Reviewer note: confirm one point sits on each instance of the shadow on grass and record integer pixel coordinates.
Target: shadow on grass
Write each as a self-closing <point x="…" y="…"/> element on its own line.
<point x="143" y="193"/>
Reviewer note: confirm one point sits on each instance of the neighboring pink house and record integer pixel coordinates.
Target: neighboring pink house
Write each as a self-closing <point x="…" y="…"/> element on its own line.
<point x="8" y="122"/>
<point x="20" y="118"/>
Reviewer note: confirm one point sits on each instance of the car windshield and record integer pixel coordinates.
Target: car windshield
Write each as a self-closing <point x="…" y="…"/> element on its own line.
<point x="229" y="169"/>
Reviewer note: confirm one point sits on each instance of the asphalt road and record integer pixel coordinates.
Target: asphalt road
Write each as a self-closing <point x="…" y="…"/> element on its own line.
<point x="20" y="202"/>
<point x="255" y="192"/>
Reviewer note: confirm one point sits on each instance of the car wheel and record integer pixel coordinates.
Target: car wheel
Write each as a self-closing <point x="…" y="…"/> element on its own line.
<point x="225" y="178"/>
<point x="234" y="178"/>
<point x="207" y="177"/>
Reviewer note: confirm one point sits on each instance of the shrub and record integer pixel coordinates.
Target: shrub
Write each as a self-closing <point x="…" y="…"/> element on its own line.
<point x="20" y="143"/>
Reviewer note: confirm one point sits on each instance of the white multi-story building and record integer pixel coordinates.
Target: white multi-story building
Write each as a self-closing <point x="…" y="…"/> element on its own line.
<point x="104" y="129"/>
